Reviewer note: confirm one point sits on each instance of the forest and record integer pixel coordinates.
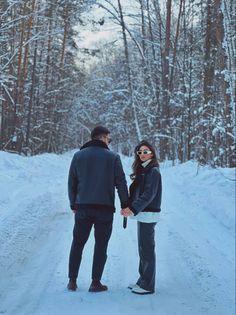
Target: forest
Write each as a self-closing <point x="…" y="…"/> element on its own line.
<point x="168" y="76"/>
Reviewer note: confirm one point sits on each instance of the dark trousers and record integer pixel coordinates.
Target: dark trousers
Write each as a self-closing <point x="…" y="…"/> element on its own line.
<point x="147" y="257"/>
<point x="85" y="219"/>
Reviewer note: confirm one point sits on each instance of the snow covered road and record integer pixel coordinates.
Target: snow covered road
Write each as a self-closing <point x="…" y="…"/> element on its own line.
<point x="194" y="241"/>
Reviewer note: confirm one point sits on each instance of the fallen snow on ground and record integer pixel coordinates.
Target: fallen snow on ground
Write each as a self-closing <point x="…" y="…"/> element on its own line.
<point x="194" y="243"/>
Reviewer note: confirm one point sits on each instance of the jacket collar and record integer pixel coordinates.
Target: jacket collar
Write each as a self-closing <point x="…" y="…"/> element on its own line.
<point x="145" y="164"/>
<point x="95" y="143"/>
<point x="148" y="167"/>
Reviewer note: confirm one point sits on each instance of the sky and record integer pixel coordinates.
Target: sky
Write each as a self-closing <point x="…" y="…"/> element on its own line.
<point x="95" y="36"/>
<point x="90" y="36"/>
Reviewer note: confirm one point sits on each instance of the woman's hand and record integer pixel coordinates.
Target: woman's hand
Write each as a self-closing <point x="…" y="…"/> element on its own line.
<point x="126" y="212"/>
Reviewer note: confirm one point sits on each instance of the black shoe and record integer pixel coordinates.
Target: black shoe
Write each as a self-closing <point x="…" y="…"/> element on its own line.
<point x="72" y="286"/>
<point x="96" y="286"/>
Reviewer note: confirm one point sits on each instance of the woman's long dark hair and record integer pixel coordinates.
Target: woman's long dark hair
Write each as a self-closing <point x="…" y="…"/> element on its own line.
<point x="136" y="166"/>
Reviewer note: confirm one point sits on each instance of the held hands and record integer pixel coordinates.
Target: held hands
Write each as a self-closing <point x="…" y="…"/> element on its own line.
<point x="74" y="208"/>
<point x="126" y="212"/>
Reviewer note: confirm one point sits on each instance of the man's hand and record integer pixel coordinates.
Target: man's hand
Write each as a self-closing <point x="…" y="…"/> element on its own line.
<point x="126" y="212"/>
<point x="73" y="208"/>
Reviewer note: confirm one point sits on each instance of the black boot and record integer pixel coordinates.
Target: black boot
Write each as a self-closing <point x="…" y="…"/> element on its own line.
<point x="72" y="286"/>
<point x="96" y="286"/>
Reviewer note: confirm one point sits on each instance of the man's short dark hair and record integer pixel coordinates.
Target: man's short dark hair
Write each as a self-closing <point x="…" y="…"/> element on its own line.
<point x="98" y="131"/>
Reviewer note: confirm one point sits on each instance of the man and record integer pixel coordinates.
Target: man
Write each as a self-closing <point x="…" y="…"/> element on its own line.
<point x="94" y="173"/>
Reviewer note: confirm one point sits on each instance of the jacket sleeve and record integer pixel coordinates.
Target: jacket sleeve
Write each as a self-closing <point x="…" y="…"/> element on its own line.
<point x="150" y="190"/>
<point x="120" y="183"/>
<point x="72" y="183"/>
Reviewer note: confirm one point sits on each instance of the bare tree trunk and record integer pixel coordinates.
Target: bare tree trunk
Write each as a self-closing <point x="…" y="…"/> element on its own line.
<point x="154" y="74"/>
<point x="175" y="46"/>
<point x="19" y="70"/>
<point x="65" y="35"/>
<point x="189" y="100"/>
<point x="225" y="82"/>
<point x="31" y="97"/>
<point x="49" y="45"/>
<point x="165" y="81"/>
<point x="138" y="131"/>
<point x="208" y="79"/>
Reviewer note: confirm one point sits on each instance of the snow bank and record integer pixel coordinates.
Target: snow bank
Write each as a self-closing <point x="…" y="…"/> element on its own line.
<point x="205" y="189"/>
<point x="31" y="193"/>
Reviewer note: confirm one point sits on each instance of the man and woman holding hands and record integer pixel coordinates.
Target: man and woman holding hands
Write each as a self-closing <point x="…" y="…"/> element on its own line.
<point x="94" y="174"/>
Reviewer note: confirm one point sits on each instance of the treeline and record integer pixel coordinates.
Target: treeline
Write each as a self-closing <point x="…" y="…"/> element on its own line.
<point x="38" y="76"/>
<point x="168" y="77"/>
<point x="172" y="81"/>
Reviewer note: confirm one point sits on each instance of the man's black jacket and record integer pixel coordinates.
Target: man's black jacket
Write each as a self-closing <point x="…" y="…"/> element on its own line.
<point x="94" y="173"/>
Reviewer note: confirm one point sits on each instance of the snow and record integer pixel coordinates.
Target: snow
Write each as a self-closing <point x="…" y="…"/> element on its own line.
<point x="194" y="244"/>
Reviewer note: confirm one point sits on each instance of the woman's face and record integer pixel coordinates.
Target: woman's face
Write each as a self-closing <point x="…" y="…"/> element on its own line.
<point x="144" y="153"/>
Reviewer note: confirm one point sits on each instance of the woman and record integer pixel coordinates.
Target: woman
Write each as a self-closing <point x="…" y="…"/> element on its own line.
<point x="145" y="203"/>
